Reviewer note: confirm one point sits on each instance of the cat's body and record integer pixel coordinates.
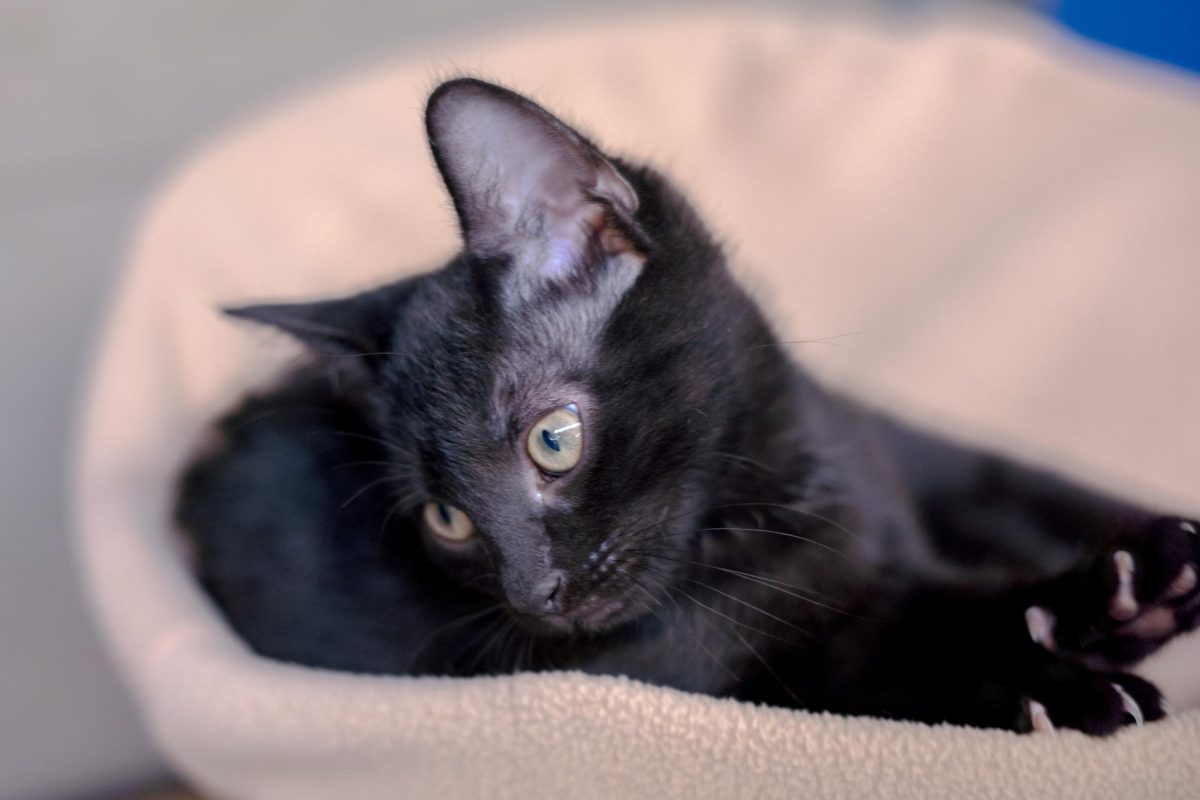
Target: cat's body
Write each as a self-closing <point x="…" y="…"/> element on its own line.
<point x="726" y="527"/>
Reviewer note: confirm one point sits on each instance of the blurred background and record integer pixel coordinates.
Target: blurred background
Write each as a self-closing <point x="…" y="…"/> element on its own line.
<point x="97" y="103"/>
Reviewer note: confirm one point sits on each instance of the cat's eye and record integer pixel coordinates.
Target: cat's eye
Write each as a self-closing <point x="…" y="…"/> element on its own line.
<point x="448" y="522"/>
<point x="555" y="441"/>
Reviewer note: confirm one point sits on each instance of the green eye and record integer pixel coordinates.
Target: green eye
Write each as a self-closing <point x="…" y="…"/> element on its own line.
<point x="556" y="441"/>
<point x="448" y="522"/>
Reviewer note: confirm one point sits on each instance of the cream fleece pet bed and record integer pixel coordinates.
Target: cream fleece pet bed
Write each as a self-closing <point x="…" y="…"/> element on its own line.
<point x="1009" y="226"/>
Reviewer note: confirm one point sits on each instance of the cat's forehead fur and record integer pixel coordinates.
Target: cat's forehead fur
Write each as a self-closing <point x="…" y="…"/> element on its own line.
<point x="551" y="341"/>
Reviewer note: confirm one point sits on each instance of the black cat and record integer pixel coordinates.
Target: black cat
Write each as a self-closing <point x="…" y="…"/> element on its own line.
<point x="578" y="445"/>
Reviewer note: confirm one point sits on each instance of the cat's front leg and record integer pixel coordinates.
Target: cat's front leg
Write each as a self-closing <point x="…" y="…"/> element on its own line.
<point x="969" y="661"/>
<point x="1033" y="658"/>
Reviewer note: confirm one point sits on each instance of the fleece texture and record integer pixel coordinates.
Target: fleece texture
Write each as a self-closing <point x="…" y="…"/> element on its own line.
<point x="975" y="222"/>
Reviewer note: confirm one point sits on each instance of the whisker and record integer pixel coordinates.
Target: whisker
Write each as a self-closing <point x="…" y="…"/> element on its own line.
<point x="349" y="464"/>
<point x="780" y="586"/>
<point x="699" y="640"/>
<point x="796" y="509"/>
<point x="767" y="667"/>
<point x="830" y="340"/>
<point x="798" y="537"/>
<point x="399" y="504"/>
<point x="365" y="355"/>
<point x="470" y="646"/>
<point x="737" y="622"/>
<point x="364" y="437"/>
<point x="259" y="416"/>
<point x="472" y="615"/>
<point x="750" y="606"/>
<point x="503" y="662"/>
<point x="799" y="592"/>
<point x="749" y="646"/>
<point x="480" y="654"/>
<point x="744" y="461"/>
<point x="370" y="485"/>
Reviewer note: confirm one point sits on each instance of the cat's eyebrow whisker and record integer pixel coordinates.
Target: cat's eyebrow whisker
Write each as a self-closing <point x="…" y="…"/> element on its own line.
<point x="366" y="355"/>
<point x="829" y="340"/>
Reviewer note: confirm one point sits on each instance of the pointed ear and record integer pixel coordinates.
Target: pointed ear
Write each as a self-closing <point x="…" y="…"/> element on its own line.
<point x="345" y="326"/>
<point x="525" y="185"/>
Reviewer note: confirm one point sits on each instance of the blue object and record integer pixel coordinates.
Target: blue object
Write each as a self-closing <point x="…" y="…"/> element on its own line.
<point x="1163" y="30"/>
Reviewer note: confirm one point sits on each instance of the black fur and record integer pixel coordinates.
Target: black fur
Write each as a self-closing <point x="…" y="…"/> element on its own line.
<point x="731" y="528"/>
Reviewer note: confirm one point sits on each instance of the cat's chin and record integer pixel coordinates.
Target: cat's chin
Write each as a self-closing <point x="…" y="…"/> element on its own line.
<point x="548" y="625"/>
<point x="592" y="618"/>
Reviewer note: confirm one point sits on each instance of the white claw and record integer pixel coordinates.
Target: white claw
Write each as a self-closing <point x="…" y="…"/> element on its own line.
<point x="1184" y="582"/>
<point x="1131" y="706"/>
<point x="1165" y="707"/>
<point x="1040" y="623"/>
<point x="1040" y="718"/>
<point x="1189" y="527"/>
<point x="1124" y="605"/>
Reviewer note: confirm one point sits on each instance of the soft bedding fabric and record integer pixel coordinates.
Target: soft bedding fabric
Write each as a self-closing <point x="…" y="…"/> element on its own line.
<point x="999" y="233"/>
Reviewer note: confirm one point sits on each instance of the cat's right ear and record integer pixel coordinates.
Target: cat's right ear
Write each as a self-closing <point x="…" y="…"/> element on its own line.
<point x="529" y="189"/>
<point x="354" y="325"/>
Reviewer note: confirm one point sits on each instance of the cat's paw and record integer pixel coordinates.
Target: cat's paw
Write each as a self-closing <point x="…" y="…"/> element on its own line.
<point x="1141" y="593"/>
<point x="1098" y="703"/>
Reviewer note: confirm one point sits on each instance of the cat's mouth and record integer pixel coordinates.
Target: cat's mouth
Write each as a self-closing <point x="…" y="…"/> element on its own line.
<point x="593" y="616"/>
<point x="603" y="614"/>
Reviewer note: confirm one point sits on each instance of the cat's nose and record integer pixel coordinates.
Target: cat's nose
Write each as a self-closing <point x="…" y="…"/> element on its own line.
<point x="547" y="595"/>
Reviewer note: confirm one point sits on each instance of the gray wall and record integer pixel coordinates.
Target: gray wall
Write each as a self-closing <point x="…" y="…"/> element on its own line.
<point x="97" y="101"/>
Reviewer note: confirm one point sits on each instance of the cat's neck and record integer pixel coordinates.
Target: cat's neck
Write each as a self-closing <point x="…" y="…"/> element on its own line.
<point x="808" y="462"/>
<point x="768" y="452"/>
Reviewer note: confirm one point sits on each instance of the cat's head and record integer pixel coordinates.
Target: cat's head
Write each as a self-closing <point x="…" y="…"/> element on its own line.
<point x="561" y="398"/>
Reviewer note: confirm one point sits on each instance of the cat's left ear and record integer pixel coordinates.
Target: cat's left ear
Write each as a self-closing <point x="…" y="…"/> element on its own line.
<point x="354" y="325"/>
<point x="526" y="186"/>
